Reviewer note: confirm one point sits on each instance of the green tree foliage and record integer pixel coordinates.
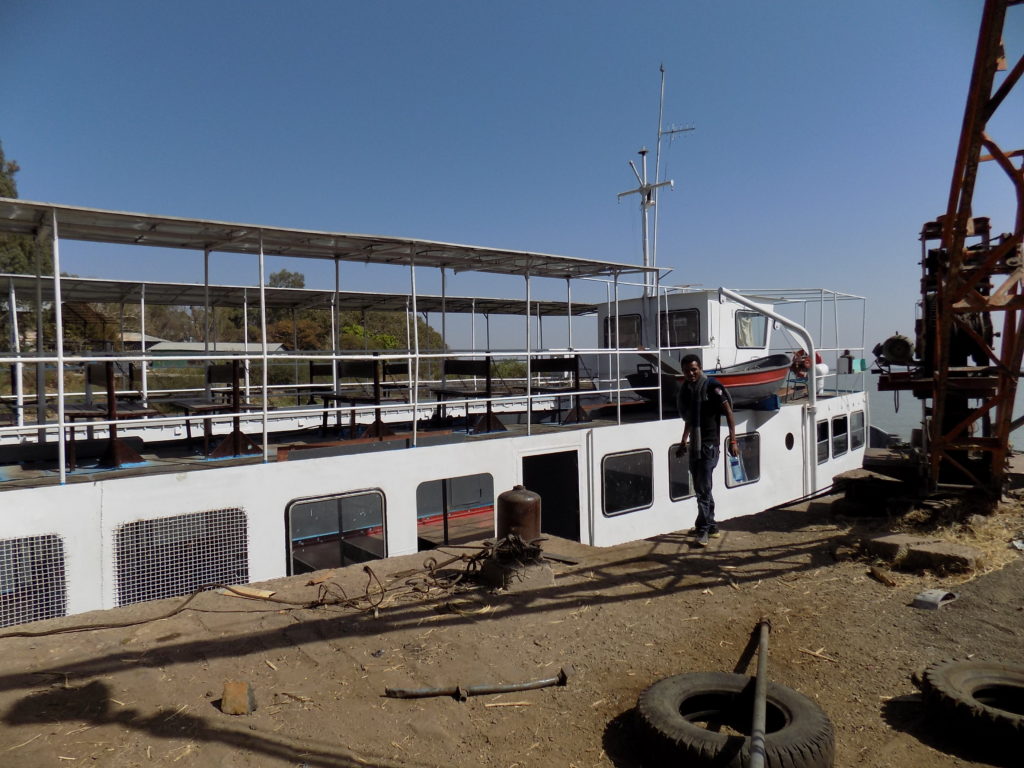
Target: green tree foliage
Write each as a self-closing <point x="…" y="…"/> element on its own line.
<point x="18" y="252"/>
<point x="286" y="279"/>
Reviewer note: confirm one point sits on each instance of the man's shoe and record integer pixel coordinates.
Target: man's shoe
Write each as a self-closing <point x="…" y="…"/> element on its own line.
<point x="714" y="533"/>
<point x="702" y="539"/>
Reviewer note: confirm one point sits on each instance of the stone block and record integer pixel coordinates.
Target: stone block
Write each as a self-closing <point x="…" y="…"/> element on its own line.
<point x="238" y="698"/>
<point x="893" y="547"/>
<point x="914" y="553"/>
<point x="943" y="556"/>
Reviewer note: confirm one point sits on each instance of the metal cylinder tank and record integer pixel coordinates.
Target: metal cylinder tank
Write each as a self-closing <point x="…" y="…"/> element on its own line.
<point x="519" y="513"/>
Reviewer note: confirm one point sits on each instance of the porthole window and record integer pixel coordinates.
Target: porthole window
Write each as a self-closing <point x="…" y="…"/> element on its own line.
<point x="790" y="442"/>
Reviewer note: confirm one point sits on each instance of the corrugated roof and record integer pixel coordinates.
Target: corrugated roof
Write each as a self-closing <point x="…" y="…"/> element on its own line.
<point x="93" y="224"/>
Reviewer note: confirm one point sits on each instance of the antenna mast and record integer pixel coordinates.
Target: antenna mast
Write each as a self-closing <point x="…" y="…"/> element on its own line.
<point x="648" y="190"/>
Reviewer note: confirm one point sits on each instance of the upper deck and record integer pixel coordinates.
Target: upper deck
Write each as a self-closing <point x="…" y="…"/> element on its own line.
<point x="264" y="368"/>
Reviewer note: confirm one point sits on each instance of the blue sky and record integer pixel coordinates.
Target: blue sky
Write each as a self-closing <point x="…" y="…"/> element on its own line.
<point x="825" y="132"/>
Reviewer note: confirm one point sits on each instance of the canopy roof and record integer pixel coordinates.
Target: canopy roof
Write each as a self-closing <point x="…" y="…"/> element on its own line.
<point x="93" y="290"/>
<point x="93" y="224"/>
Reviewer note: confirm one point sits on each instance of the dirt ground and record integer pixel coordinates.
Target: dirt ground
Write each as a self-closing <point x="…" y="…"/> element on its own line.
<point x="624" y="617"/>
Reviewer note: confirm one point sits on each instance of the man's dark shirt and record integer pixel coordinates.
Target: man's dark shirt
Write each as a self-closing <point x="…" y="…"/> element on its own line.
<point x="710" y="409"/>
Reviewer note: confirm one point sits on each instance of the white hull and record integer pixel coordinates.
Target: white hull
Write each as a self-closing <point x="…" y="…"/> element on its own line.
<point x="87" y="516"/>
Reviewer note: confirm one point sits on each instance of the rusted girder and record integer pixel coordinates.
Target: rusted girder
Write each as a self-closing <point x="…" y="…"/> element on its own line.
<point x="964" y="287"/>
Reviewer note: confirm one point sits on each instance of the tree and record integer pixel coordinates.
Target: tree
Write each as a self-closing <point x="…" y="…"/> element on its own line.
<point x="285" y="279"/>
<point x="18" y="252"/>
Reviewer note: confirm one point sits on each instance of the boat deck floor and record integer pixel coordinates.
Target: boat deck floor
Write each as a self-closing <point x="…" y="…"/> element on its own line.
<point x="179" y="456"/>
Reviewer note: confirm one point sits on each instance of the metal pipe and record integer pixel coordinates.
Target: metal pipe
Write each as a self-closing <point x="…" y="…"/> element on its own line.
<point x="18" y="369"/>
<point x="811" y="461"/>
<point x="463" y="692"/>
<point x="529" y="361"/>
<point x="414" y="397"/>
<point x="757" y="726"/>
<point x="263" y="350"/>
<point x="142" y="346"/>
<point x="59" y="334"/>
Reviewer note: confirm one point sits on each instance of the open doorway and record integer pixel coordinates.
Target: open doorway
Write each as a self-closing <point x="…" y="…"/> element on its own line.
<point x="555" y="476"/>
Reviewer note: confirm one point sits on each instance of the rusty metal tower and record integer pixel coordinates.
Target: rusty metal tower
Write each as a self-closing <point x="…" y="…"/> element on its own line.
<point x="971" y="332"/>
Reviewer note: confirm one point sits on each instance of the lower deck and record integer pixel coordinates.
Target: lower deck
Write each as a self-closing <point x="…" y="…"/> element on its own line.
<point x="160" y="530"/>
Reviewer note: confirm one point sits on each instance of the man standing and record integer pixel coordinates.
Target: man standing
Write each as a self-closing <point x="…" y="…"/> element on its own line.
<point x="701" y="402"/>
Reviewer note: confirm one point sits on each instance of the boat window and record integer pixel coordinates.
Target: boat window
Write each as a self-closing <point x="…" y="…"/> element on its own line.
<point x="680" y="328"/>
<point x="745" y="468"/>
<point x="840" y="442"/>
<point x="822" y="442"/>
<point x="454" y="510"/>
<point x="751" y="329"/>
<point x="679" y="486"/>
<point x="32" y="583"/>
<point x="627" y="481"/>
<point x="334" y="531"/>
<point x="629" y="326"/>
<point x="856" y="430"/>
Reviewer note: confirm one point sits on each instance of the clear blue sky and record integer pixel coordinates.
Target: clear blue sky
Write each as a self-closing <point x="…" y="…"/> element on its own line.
<point x="825" y="132"/>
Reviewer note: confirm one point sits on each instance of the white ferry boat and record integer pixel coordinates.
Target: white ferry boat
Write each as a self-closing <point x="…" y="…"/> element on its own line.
<point x="119" y="483"/>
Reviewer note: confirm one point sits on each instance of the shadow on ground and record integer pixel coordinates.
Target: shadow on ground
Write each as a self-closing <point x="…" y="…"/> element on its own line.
<point x="907" y="714"/>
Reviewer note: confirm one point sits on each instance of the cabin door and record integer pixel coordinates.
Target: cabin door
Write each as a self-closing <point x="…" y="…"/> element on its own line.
<point x="555" y="476"/>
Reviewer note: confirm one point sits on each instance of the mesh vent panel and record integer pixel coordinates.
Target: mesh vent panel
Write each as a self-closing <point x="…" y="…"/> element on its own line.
<point x="32" y="584"/>
<point x="173" y="556"/>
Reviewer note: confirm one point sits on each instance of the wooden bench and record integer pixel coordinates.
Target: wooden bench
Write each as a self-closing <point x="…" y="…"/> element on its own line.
<point x="481" y="369"/>
<point x="372" y="373"/>
<point x="563" y="365"/>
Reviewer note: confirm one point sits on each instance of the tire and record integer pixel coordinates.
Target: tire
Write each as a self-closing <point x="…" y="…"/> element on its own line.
<point x="798" y="733"/>
<point x="984" y="698"/>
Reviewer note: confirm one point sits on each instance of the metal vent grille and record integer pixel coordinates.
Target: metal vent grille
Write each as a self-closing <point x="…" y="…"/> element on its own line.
<point x="173" y="556"/>
<point x="32" y="584"/>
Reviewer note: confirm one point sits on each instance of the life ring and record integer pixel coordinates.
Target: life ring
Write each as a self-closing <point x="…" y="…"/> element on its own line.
<point x="802" y="363"/>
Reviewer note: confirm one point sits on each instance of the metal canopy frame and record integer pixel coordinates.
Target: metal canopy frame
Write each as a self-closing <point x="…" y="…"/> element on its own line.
<point x="88" y="289"/>
<point x="27" y="217"/>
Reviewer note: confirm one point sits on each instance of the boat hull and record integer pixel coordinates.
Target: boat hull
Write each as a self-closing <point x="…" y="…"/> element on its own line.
<point x="747" y="383"/>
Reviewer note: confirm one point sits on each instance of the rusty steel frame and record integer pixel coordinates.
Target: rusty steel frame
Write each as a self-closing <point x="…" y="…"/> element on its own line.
<point x="959" y="274"/>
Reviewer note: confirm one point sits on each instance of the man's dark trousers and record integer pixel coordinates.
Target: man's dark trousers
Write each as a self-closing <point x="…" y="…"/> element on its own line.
<point x="702" y="468"/>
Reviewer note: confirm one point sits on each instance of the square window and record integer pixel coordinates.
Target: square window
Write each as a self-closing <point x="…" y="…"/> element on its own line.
<point x="335" y="531"/>
<point x="745" y="468"/>
<point x="822" y="442"/>
<point x="856" y="430"/>
<point x="680" y="328"/>
<point x="627" y="481"/>
<point x="751" y="330"/>
<point x="679" y="485"/>
<point x="629" y="328"/>
<point x="840" y="437"/>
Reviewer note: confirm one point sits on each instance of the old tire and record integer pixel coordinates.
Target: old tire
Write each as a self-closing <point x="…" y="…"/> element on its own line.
<point x="983" y="698"/>
<point x="673" y="710"/>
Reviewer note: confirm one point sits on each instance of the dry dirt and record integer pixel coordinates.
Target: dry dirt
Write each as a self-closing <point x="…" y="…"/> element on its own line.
<point x="626" y="616"/>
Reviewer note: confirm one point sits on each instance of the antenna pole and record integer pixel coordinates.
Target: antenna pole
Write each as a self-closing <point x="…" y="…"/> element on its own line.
<point x="646" y="192"/>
